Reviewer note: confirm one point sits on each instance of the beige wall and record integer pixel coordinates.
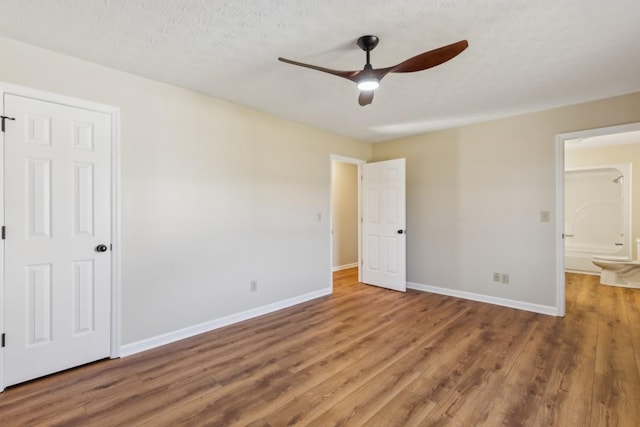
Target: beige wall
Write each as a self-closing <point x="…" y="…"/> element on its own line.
<point x="474" y="196"/>
<point x="627" y="153"/>
<point x="345" y="213"/>
<point x="214" y="195"/>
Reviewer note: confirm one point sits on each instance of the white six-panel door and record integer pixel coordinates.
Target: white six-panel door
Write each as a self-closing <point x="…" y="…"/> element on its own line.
<point x="57" y="212"/>
<point x="384" y="224"/>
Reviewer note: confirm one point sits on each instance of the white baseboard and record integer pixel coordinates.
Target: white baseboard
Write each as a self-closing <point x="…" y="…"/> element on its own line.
<point x="536" y="308"/>
<point x="589" y="273"/>
<point x="344" y="267"/>
<point x="168" y="338"/>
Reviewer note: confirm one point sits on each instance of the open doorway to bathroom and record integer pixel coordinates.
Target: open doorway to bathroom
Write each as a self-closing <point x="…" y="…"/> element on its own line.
<point x="596" y="208"/>
<point x="597" y="202"/>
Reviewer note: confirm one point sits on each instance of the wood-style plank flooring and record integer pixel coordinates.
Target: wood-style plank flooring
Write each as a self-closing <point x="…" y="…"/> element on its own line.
<point x="369" y="356"/>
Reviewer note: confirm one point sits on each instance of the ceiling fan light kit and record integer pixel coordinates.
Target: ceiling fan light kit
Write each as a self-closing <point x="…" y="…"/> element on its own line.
<point x="368" y="84"/>
<point x="368" y="79"/>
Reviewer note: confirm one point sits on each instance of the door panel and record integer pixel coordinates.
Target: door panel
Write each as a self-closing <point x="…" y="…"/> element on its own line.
<point x="57" y="210"/>
<point x="38" y="199"/>
<point x="39" y="302"/>
<point x="383" y="224"/>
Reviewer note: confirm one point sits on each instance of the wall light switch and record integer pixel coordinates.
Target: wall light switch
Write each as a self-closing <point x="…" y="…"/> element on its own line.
<point x="544" y="216"/>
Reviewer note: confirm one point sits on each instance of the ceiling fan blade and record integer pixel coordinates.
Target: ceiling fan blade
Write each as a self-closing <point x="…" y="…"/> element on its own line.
<point x="430" y="59"/>
<point x="349" y="75"/>
<point x="366" y="97"/>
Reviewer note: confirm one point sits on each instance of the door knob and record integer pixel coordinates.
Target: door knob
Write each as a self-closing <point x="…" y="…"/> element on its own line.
<point x="400" y="231"/>
<point x="101" y="248"/>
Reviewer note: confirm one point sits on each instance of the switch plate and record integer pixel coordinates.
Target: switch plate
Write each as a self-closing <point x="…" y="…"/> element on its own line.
<point x="504" y="278"/>
<point x="496" y="277"/>
<point x="254" y="286"/>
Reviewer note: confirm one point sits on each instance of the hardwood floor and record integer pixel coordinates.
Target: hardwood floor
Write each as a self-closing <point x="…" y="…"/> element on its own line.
<point x="368" y="356"/>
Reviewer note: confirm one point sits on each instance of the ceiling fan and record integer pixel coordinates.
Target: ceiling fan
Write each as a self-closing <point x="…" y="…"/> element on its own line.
<point x="368" y="79"/>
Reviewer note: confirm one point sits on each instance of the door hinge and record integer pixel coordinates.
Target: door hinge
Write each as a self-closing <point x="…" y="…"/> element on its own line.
<point x="3" y="339"/>
<point x="5" y="118"/>
<point x="4" y="232"/>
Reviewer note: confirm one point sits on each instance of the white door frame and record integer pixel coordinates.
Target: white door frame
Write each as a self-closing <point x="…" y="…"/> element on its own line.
<point x="359" y="163"/>
<point x="560" y="142"/>
<point x="114" y="112"/>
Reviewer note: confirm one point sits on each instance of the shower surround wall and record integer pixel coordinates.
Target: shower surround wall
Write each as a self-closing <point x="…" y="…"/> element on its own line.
<point x="596" y="214"/>
<point x="613" y="154"/>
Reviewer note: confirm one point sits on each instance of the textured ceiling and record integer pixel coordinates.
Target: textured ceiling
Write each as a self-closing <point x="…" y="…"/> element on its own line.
<point x="524" y="55"/>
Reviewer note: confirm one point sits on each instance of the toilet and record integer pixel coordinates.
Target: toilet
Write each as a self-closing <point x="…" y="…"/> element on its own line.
<point x="619" y="271"/>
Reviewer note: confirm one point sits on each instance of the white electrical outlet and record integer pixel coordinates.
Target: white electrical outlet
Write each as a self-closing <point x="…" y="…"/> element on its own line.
<point x="504" y="278"/>
<point x="254" y="286"/>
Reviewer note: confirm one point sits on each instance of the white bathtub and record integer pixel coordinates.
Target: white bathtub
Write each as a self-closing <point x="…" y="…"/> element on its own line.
<point x="597" y="215"/>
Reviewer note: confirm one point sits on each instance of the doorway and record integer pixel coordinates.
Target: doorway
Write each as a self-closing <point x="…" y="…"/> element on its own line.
<point x="381" y="222"/>
<point x="597" y="206"/>
<point x="344" y="213"/>
<point x="613" y="135"/>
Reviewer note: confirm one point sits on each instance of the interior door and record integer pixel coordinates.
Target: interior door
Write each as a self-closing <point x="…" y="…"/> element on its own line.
<point x="58" y="229"/>
<point x="384" y="224"/>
